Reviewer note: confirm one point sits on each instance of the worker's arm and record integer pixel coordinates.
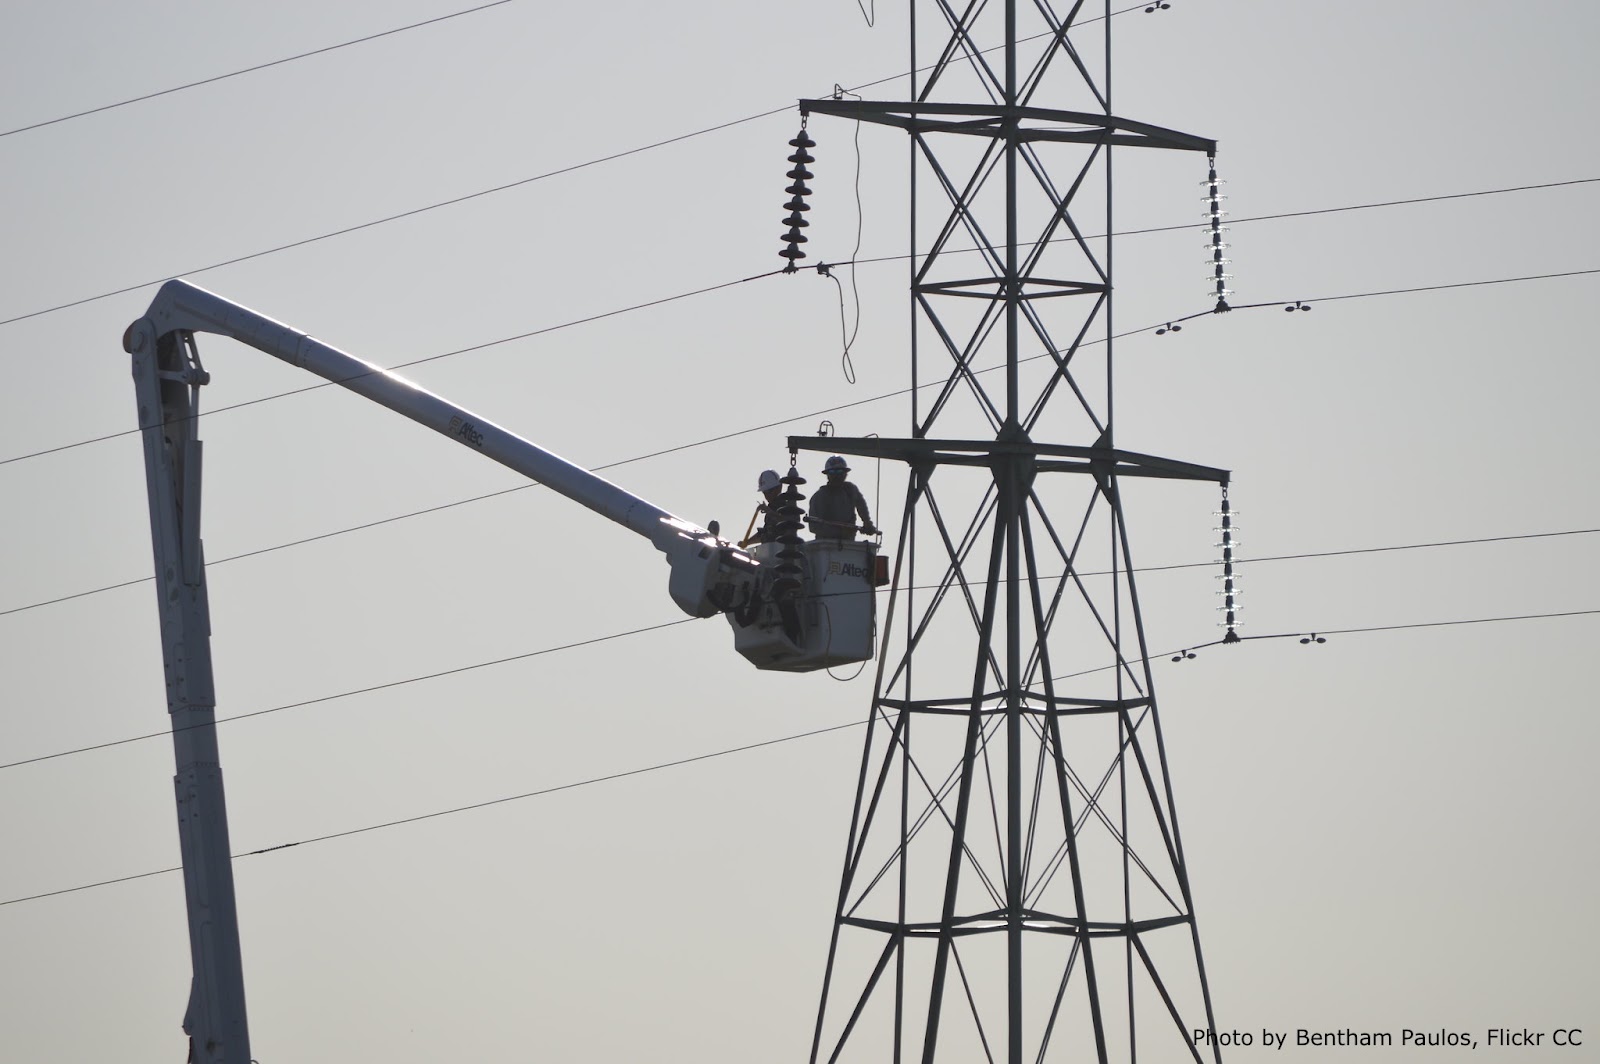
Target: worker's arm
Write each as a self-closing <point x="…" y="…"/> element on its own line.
<point x="861" y="508"/>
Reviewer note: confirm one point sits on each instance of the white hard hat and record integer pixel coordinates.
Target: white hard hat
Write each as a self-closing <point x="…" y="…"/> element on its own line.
<point x="768" y="480"/>
<point x="835" y="465"/>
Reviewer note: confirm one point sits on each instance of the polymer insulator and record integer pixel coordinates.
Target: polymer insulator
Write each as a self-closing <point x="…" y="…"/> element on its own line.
<point x="797" y="204"/>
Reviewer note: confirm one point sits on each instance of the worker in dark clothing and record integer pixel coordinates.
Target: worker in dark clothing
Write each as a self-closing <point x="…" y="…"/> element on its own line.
<point x="834" y="506"/>
<point x="771" y="488"/>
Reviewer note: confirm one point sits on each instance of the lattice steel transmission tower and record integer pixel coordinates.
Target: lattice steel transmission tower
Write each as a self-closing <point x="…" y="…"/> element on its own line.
<point x="1014" y="883"/>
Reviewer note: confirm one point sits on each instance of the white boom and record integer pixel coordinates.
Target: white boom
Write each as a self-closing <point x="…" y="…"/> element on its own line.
<point x="709" y="576"/>
<point x="793" y="606"/>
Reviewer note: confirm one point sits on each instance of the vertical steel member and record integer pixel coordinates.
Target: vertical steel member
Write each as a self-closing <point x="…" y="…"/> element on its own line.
<point x="167" y="378"/>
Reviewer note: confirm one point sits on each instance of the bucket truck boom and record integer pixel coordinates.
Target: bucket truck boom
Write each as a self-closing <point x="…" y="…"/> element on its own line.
<point x="793" y="606"/>
<point x="709" y="576"/>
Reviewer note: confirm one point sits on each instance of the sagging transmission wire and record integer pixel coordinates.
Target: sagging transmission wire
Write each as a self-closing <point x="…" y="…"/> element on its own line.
<point x="543" y="791"/>
<point x="356" y="691"/>
<point x="718" y="753"/>
<point x="1156" y="329"/>
<point x="854" y="262"/>
<point x="871" y="18"/>
<point x="488" y="191"/>
<point x="252" y="69"/>
<point x="415" y="362"/>
<point x="387" y="685"/>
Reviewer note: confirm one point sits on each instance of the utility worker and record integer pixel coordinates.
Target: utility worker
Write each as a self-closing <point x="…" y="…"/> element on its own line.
<point x="770" y="485"/>
<point x="834" y="506"/>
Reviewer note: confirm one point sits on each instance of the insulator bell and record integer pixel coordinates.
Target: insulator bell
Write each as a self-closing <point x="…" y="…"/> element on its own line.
<point x="797" y="192"/>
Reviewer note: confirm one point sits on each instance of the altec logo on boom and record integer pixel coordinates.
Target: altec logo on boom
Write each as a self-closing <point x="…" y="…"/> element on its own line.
<point x="847" y="569"/>
<point x="467" y="431"/>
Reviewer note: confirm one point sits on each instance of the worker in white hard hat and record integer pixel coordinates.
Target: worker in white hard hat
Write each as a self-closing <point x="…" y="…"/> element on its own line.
<point x="834" y="506"/>
<point x="770" y="485"/>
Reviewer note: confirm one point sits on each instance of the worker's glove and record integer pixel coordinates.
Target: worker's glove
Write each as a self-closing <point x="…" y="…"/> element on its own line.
<point x="868" y="529"/>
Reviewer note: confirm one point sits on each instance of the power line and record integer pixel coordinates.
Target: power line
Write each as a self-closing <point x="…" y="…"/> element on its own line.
<point x="725" y="125"/>
<point x="594" y="162"/>
<point x="671" y="624"/>
<point x="1382" y="292"/>
<point x="415" y="362"/>
<point x="252" y="69"/>
<point x="357" y="691"/>
<point x="1367" y="550"/>
<point x="579" y="166"/>
<point x="429" y="207"/>
<point x="458" y="809"/>
<point x="1267" y="217"/>
<point x="376" y="221"/>
<point x="627" y="461"/>
<point x="771" y="273"/>
<point x="668" y="450"/>
<point x="389" y="33"/>
<point x="1338" y="631"/>
<point x="735" y="750"/>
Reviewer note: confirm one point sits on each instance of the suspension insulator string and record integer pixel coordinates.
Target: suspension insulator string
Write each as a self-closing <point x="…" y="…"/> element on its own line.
<point x="798" y="191"/>
<point x="1219" y="277"/>
<point x="789" y="577"/>
<point x="1230" y="582"/>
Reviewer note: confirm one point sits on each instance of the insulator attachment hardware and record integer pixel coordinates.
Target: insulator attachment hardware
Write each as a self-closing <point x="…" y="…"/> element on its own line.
<point x="797" y="205"/>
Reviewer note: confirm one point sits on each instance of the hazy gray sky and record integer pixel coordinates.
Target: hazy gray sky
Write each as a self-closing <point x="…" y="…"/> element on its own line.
<point x="1389" y="830"/>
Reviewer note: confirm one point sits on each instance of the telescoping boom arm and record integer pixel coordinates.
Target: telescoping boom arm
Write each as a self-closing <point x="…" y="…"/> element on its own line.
<point x="709" y="576"/>
<point x="792" y="607"/>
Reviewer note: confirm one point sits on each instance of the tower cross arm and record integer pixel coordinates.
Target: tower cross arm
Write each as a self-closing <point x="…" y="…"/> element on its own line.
<point x="1031" y="123"/>
<point x="1049" y="457"/>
